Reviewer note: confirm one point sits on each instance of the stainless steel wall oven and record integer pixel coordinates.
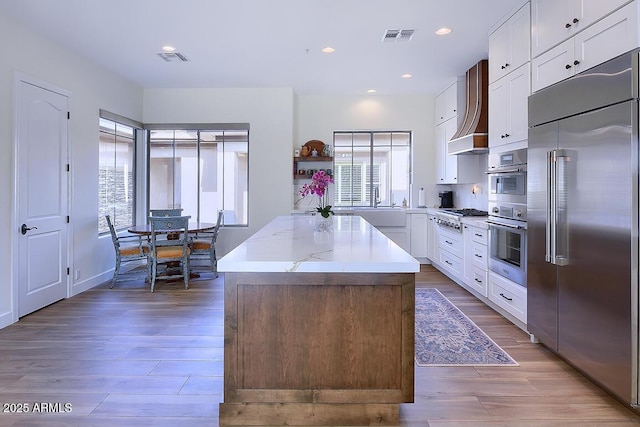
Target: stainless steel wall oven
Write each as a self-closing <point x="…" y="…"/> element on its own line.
<point x="508" y="249"/>
<point x="507" y="220"/>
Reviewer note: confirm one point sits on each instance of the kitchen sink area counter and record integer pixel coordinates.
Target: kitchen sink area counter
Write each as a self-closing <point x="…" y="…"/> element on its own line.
<point x="319" y="326"/>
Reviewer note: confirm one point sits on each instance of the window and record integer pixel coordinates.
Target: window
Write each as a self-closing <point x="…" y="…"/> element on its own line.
<point x="200" y="170"/>
<point x="367" y="163"/>
<point x="116" y="181"/>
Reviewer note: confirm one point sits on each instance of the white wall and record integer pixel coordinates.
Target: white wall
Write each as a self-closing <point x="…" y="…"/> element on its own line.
<point x="318" y="116"/>
<point x="91" y="88"/>
<point x="270" y="115"/>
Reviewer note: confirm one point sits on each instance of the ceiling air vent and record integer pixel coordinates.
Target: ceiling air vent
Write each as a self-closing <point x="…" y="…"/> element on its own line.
<point x="173" y="56"/>
<point x="397" y="35"/>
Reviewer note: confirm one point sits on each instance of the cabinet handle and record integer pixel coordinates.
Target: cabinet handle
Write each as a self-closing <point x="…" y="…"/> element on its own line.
<point x="478" y="235"/>
<point x="504" y="66"/>
<point x="448" y="242"/>
<point x="576" y="62"/>
<point x="448" y="262"/>
<point x="575" y="20"/>
<point x="478" y="280"/>
<point x="568" y="66"/>
<point x="507" y="298"/>
<point x="478" y="256"/>
<point x="567" y="25"/>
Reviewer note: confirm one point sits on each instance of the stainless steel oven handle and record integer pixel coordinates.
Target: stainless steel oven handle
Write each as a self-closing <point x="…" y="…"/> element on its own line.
<point x="503" y="225"/>
<point x="501" y="171"/>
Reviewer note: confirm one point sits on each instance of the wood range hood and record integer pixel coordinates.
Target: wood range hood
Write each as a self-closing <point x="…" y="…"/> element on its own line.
<point x="472" y="136"/>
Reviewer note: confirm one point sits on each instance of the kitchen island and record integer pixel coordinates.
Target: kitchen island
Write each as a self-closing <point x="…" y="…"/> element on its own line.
<point x="319" y="327"/>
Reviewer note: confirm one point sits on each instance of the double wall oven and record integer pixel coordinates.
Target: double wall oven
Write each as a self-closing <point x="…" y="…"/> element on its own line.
<point x="507" y="219"/>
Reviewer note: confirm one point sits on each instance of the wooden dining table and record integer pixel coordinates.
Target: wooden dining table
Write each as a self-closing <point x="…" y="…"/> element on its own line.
<point x="193" y="227"/>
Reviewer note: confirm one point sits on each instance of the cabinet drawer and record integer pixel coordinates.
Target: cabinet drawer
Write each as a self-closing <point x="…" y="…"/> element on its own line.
<point x="479" y="281"/>
<point x="452" y="263"/>
<point x="480" y="256"/>
<point x="509" y="296"/>
<point x="451" y="242"/>
<point x="480" y="235"/>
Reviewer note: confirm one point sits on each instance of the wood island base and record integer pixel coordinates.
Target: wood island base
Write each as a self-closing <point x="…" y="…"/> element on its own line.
<point x="309" y="414"/>
<point x="317" y="348"/>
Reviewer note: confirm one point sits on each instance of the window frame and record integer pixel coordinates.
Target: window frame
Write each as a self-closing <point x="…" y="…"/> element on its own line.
<point x="199" y="127"/>
<point x="137" y="128"/>
<point x="370" y="173"/>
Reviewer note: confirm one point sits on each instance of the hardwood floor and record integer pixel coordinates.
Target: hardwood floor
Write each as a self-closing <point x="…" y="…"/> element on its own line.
<point x="126" y="357"/>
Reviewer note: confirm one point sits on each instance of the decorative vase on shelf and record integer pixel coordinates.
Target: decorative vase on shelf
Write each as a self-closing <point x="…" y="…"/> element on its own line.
<point x="321" y="223"/>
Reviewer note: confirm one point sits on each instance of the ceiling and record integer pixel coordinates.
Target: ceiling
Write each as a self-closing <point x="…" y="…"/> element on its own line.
<point x="272" y="43"/>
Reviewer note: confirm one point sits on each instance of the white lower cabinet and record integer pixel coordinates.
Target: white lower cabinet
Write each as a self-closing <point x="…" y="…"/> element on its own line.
<point x="400" y="235"/>
<point x="464" y="257"/>
<point x="451" y="251"/>
<point x="508" y="295"/>
<point x="433" y="239"/>
<point x="475" y="258"/>
<point x="419" y="235"/>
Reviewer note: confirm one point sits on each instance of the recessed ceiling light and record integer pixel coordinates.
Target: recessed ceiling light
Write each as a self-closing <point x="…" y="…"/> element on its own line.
<point x="328" y="49"/>
<point x="443" y="31"/>
<point x="371" y="91"/>
<point x="406" y="76"/>
<point x="168" y="48"/>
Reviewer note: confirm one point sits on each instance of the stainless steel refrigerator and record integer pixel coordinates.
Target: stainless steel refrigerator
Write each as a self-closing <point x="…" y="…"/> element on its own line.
<point x="582" y="210"/>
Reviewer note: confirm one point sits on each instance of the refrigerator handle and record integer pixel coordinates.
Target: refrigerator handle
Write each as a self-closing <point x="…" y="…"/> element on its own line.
<point x="562" y="168"/>
<point x="550" y="223"/>
<point x="556" y="250"/>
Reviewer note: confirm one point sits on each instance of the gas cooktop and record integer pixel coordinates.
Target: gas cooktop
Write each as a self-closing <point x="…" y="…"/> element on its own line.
<point x="465" y="212"/>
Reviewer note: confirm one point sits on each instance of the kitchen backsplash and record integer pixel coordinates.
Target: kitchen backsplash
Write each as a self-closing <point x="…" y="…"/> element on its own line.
<point x="464" y="197"/>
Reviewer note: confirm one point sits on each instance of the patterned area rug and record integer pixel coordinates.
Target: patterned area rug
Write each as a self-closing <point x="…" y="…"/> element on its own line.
<point x="445" y="336"/>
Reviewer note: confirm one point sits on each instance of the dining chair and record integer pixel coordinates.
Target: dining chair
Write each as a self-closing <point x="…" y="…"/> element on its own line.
<point x="174" y="250"/>
<point x="203" y="244"/>
<point x="165" y="212"/>
<point x="128" y="249"/>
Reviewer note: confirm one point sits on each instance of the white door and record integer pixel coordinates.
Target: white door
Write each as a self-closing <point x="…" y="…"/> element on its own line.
<point x="42" y="181"/>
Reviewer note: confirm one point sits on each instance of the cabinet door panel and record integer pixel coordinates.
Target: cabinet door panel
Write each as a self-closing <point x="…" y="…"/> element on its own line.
<point x="498" y="52"/>
<point x="551" y="67"/>
<point x="606" y="39"/>
<point x="549" y="19"/>
<point x="590" y="11"/>
<point x="441" y="153"/>
<point x="439" y="108"/>
<point x="520" y="37"/>
<point x="419" y="238"/>
<point x="519" y="91"/>
<point x="498" y="110"/>
<point x="451" y="161"/>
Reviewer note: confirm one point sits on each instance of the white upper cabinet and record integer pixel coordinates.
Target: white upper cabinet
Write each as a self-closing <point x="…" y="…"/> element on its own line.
<point x="554" y="21"/>
<point x="508" y="107"/>
<point x="447" y="165"/>
<point x="509" y="44"/>
<point x="449" y="101"/>
<point x="614" y="35"/>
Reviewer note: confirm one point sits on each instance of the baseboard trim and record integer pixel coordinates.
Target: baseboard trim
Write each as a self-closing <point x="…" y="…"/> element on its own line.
<point x="6" y="319"/>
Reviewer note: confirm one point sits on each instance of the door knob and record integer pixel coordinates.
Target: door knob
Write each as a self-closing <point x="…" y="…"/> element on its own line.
<point x="24" y="228"/>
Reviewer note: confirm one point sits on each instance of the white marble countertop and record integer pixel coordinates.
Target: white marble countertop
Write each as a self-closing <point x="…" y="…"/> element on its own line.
<point x="289" y="244"/>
